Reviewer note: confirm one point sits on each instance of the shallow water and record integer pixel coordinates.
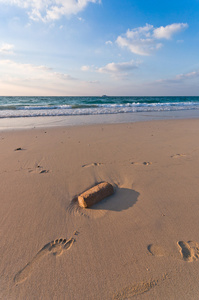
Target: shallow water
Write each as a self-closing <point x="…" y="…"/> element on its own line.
<point x="11" y="107"/>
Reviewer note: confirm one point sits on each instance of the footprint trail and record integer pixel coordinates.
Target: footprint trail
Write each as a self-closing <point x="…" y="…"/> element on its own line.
<point x="55" y="247"/>
<point x="189" y="251"/>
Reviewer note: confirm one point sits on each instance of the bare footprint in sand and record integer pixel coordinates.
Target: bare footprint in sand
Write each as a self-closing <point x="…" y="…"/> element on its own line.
<point x="18" y="149"/>
<point x="145" y="163"/>
<point x="178" y="155"/>
<point x="138" y="289"/>
<point x="39" y="170"/>
<point x="157" y="250"/>
<point x="44" y="171"/>
<point x="92" y="165"/>
<point x="55" y="247"/>
<point x="189" y="251"/>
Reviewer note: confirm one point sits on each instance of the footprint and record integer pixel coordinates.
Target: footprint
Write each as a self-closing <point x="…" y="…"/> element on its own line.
<point x="92" y="165"/>
<point x="177" y="155"/>
<point x="39" y="170"/>
<point x="137" y="289"/>
<point x="44" y="171"/>
<point x="157" y="250"/>
<point x="189" y="250"/>
<point x="145" y="163"/>
<point x="55" y="247"/>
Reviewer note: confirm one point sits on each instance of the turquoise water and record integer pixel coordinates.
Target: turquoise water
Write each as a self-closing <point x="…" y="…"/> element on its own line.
<point x="11" y="107"/>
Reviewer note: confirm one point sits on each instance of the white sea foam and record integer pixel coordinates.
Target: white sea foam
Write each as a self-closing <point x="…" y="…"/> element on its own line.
<point x="66" y="106"/>
<point x="103" y="109"/>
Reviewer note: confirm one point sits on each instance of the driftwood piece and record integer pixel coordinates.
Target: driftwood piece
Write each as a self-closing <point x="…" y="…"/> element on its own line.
<point x="95" y="194"/>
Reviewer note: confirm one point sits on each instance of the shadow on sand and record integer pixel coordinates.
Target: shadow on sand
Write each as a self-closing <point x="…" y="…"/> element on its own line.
<point x="122" y="199"/>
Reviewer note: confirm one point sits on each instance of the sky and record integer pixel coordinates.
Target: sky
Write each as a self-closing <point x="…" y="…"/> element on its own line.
<point x="97" y="47"/>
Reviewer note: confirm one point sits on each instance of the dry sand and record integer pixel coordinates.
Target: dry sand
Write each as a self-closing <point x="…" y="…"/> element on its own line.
<point x="141" y="242"/>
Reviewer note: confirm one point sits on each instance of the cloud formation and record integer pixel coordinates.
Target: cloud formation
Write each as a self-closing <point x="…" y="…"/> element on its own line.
<point x="36" y="80"/>
<point x="168" y="31"/>
<point x="16" y="70"/>
<point x="6" y="49"/>
<point x="85" y="68"/>
<point x="31" y="79"/>
<point x="119" y="69"/>
<point x="181" y="77"/>
<point x="114" y="69"/>
<point x="108" y="43"/>
<point x="145" y="40"/>
<point x="50" y="10"/>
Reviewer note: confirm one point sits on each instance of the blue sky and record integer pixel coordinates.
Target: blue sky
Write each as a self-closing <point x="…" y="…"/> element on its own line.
<point x="93" y="47"/>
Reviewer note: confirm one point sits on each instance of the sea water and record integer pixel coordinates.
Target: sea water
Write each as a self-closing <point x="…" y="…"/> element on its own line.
<point x="17" y="107"/>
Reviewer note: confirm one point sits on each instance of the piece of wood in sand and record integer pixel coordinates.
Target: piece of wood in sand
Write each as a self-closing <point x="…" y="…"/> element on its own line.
<point x="95" y="194"/>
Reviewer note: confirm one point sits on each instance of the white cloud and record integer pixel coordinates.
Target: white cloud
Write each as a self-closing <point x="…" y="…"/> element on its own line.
<point x="14" y="69"/>
<point x="6" y="49"/>
<point x="85" y="68"/>
<point x="109" y="43"/>
<point x="168" y="31"/>
<point x="119" y="69"/>
<point x="81" y="19"/>
<point x="28" y="79"/>
<point x="139" y="46"/>
<point x="144" y="40"/>
<point x="50" y="10"/>
<point x="139" y="40"/>
<point x="114" y="69"/>
<point x="189" y="75"/>
<point x="181" y="77"/>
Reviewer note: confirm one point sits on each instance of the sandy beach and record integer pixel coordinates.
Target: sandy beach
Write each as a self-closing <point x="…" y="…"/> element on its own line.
<point x="141" y="242"/>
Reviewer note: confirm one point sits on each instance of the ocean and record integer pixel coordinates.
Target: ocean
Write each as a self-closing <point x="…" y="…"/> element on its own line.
<point x="16" y="107"/>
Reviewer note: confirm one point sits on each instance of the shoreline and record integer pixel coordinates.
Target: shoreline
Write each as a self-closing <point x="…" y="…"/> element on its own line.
<point x="65" y="121"/>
